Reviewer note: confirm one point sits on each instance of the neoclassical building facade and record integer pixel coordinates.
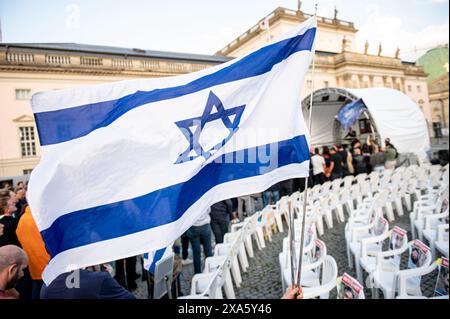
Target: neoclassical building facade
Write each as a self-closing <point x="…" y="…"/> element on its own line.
<point x="29" y="68"/>
<point x="337" y="62"/>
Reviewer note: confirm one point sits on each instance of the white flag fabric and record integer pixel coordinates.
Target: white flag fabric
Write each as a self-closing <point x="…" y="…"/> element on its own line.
<point x="128" y="167"/>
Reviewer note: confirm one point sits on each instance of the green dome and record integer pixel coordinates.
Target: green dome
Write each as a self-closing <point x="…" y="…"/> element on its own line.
<point x="435" y="62"/>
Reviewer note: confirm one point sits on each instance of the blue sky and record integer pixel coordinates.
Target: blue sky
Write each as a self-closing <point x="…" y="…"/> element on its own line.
<point x="205" y="26"/>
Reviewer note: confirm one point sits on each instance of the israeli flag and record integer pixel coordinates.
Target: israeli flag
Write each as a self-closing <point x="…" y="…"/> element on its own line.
<point x="151" y="258"/>
<point x="128" y="167"/>
<point x="350" y="112"/>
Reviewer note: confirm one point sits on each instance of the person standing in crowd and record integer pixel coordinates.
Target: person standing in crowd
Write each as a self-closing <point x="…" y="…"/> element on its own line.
<point x="318" y="163"/>
<point x="391" y="155"/>
<point x="342" y="152"/>
<point x="327" y="157"/>
<point x="355" y="144"/>
<point x="366" y="149"/>
<point x="272" y="194"/>
<point x="199" y="234"/>
<point x="220" y="219"/>
<point x="358" y="162"/>
<point x="31" y="241"/>
<point x="377" y="158"/>
<point x="351" y="169"/>
<point x="185" y="260"/>
<point x="234" y="212"/>
<point x="85" y="284"/>
<point x="13" y="261"/>
<point x="7" y="210"/>
<point x="126" y="273"/>
<point x="351" y="134"/>
<point x="21" y="201"/>
<point x="336" y="164"/>
<point x="286" y="187"/>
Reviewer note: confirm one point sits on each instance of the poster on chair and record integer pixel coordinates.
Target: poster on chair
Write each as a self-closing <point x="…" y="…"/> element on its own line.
<point x="418" y="254"/>
<point x="396" y="242"/>
<point x="349" y="287"/>
<point x="442" y="279"/>
<point x="381" y="226"/>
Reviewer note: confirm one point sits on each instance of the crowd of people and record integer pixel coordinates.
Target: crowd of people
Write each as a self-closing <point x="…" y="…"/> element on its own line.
<point x="337" y="161"/>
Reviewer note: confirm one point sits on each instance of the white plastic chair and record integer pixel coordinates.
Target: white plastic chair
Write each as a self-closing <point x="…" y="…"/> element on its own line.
<point x="419" y="214"/>
<point x="430" y="229"/>
<point x="441" y="243"/>
<point x="387" y="204"/>
<point x="348" y="181"/>
<point x="310" y="265"/>
<point x="334" y="204"/>
<point x="398" y="244"/>
<point x="230" y="251"/>
<point x="222" y="264"/>
<point x="237" y="238"/>
<point x="403" y="277"/>
<point x="366" y="219"/>
<point x="329" y="273"/>
<point x="280" y="211"/>
<point x="205" y="286"/>
<point x="387" y="280"/>
<point x="249" y="226"/>
<point x="346" y="200"/>
<point x="376" y="231"/>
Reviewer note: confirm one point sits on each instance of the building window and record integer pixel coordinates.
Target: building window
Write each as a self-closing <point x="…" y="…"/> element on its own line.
<point x="27" y="141"/>
<point x="409" y="88"/>
<point x="418" y="88"/>
<point x="27" y="171"/>
<point x="326" y="84"/>
<point x="23" y="94"/>
<point x="309" y="84"/>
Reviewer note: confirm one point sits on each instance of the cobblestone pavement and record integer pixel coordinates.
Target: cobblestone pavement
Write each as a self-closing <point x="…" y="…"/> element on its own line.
<point x="263" y="279"/>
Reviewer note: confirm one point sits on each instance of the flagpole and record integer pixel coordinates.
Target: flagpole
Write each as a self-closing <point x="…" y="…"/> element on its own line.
<point x="291" y="240"/>
<point x="305" y="192"/>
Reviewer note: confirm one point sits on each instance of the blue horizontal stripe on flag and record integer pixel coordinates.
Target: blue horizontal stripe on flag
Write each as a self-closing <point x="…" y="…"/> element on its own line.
<point x="71" y="123"/>
<point x="165" y="205"/>
<point x="157" y="256"/>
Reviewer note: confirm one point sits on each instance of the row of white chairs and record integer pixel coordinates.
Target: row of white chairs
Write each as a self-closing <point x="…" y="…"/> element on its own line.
<point x="375" y="194"/>
<point x="367" y="229"/>
<point x="232" y="256"/>
<point x="222" y="271"/>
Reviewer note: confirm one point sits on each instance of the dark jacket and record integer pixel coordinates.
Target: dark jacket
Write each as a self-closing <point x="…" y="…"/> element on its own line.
<point x="21" y="205"/>
<point x="92" y="285"/>
<point x="359" y="164"/>
<point x="9" y="236"/>
<point x="221" y="210"/>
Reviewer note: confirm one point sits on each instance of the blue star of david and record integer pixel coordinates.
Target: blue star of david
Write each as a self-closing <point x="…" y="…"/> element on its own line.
<point x="192" y="128"/>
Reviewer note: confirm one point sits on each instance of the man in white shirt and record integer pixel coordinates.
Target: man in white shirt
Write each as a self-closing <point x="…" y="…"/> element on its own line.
<point x="318" y="164"/>
<point x="200" y="234"/>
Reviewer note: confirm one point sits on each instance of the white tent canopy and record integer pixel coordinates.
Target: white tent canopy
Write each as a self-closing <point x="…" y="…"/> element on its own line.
<point x="393" y="114"/>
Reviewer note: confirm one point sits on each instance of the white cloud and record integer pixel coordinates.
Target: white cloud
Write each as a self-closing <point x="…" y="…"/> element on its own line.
<point x="391" y="33"/>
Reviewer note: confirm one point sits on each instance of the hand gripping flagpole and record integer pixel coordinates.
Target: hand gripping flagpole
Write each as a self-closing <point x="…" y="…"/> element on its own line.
<point x="305" y="192"/>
